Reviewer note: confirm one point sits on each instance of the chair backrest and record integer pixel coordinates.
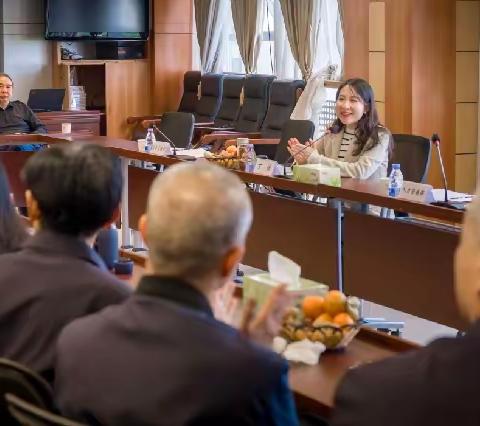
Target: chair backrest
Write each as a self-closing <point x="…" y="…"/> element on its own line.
<point x="18" y="380"/>
<point x="210" y="97"/>
<point x="301" y="129"/>
<point x="413" y="154"/>
<point x="283" y="97"/>
<point x="230" y="106"/>
<point x="30" y="415"/>
<point x="178" y="127"/>
<point x="256" y="92"/>
<point x="191" y="80"/>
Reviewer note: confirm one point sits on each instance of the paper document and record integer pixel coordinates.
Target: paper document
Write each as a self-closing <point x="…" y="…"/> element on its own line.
<point x="197" y="153"/>
<point x="460" y="197"/>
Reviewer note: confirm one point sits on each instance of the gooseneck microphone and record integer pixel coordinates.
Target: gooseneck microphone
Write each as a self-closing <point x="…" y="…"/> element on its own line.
<point x="435" y="139"/>
<point x="163" y="135"/>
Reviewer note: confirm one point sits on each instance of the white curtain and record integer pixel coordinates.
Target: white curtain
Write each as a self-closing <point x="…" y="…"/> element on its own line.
<point x="209" y="19"/>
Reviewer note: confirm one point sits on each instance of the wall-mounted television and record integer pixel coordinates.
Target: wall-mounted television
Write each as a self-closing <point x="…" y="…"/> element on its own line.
<point x="97" y="19"/>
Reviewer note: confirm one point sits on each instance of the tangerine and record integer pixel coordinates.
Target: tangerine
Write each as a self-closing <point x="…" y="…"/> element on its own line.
<point x="312" y="306"/>
<point x="323" y="319"/>
<point x="334" y="302"/>
<point x="343" y="319"/>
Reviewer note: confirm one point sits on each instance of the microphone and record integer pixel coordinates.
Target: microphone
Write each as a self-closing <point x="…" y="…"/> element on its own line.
<point x="435" y="139"/>
<point x="163" y="135"/>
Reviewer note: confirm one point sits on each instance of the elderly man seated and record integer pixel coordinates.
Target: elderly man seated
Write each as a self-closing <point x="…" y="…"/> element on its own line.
<point x="161" y="358"/>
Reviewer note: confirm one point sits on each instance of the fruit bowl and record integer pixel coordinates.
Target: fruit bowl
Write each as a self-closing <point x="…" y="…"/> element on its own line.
<point x="332" y="320"/>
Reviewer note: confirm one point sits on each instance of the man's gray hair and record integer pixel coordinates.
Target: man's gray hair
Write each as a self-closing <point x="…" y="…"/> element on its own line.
<point x="196" y="212"/>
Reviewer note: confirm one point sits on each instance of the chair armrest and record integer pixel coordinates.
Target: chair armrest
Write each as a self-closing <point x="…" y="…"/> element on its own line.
<point x="205" y="124"/>
<point x="136" y="119"/>
<point x="264" y="141"/>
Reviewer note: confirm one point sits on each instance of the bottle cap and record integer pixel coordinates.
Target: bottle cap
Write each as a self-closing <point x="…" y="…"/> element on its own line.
<point x="396" y="166"/>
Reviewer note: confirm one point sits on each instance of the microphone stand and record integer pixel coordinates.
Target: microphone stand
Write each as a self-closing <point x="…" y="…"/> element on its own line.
<point x="447" y="204"/>
<point x="167" y="139"/>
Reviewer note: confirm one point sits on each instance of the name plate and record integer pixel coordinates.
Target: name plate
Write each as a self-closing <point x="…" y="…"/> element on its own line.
<point x="265" y="167"/>
<point x="413" y="191"/>
<point x="161" y="148"/>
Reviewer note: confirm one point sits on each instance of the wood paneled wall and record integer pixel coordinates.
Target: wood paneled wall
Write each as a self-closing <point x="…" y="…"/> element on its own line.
<point x="411" y="63"/>
<point x="173" y="23"/>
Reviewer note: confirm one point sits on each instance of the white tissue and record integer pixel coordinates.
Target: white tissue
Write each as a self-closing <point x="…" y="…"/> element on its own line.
<point x="283" y="270"/>
<point x="304" y="351"/>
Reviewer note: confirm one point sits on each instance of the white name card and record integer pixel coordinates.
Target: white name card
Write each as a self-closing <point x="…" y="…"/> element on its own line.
<point x="413" y="191"/>
<point x="265" y="167"/>
<point x="158" y="148"/>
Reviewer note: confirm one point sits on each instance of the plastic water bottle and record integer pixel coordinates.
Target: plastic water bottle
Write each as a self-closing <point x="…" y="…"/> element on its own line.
<point x="395" y="181"/>
<point x="149" y="140"/>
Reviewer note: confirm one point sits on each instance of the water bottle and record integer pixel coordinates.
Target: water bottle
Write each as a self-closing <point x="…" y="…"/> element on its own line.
<point x="149" y="140"/>
<point x="395" y="181"/>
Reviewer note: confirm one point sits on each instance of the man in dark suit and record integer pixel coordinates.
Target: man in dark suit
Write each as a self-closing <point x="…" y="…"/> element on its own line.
<point x="161" y="358"/>
<point x="436" y="385"/>
<point x="72" y="192"/>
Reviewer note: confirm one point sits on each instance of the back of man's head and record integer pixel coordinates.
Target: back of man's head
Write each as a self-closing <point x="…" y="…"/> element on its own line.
<point x="77" y="187"/>
<point x="196" y="213"/>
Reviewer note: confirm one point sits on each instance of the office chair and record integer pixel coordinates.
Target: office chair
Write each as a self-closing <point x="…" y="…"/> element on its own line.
<point x="413" y="154"/>
<point x="191" y="80"/>
<point x="27" y="414"/>
<point x="178" y="127"/>
<point x="301" y="129"/>
<point x="18" y="380"/>
<point x="211" y="89"/>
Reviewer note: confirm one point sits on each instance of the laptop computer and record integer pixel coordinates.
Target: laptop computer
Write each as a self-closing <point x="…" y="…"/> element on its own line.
<point x="40" y="100"/>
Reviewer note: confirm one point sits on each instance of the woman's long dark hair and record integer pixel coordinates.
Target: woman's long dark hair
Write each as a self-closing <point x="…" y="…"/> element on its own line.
<point x="368" y="126"/>
<point x="12" y="231"/>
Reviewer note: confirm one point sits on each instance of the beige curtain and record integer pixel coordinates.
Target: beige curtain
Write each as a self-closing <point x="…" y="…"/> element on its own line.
<point x="247" y="19"/>
<point x="340" y="36"/>
<point x="209" y="19"/>
<point x="297" y="15"/>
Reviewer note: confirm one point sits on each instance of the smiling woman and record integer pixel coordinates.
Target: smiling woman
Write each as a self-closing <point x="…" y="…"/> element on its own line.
<point x="355" y="142"/>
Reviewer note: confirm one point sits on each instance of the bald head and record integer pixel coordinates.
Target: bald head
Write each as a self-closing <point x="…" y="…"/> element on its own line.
<point x="196" y="213"/>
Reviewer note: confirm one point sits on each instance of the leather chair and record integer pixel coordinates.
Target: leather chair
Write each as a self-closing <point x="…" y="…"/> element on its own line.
<point x="208" y="105"/>
<point x="30" y="415"/>
<point x="178" y="127"/>
<point x="18" y="380"/>
<point x="413" y="154"/>
<point x="191" y="80"/>
<point x="256" y="91"/>
<point x="283" y="98"/>
<point x="230" y="106"/>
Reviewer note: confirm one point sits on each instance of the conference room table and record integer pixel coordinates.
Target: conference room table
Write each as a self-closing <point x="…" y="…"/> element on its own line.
<point x="405" y="264"/>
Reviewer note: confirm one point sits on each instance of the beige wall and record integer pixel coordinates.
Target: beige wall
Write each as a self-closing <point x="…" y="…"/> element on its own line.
<point x="26" y="56"/>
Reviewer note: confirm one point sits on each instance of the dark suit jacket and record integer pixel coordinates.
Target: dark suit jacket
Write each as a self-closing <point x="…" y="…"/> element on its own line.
<point x="436" y="385"/>
<point x="51" y="281"/>
<point x="161" y="358"/>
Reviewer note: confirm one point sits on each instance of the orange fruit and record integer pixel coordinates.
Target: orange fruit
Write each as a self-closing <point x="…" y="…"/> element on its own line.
<point x="323" y="319"/>
<point x="343" y="319"/>
<point x="312" y="306"/>
<point x="334" y="302"/>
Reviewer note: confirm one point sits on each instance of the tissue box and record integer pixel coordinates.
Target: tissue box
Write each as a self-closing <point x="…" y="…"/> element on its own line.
<point x="258" y="287"/>
<point x="316" y="173"/>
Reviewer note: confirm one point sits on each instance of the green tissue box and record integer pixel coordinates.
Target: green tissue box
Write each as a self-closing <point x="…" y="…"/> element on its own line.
<point x="257" y="287"/>
<point x="316" y="173"/>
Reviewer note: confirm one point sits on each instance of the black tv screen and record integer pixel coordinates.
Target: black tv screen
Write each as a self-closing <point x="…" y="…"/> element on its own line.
<point x="97" y="19"/>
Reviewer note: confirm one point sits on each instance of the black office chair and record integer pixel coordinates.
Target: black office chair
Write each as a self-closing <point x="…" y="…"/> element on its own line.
<point x="191" y="80"/>
<point x="230" y="105"/>
<point x="211" y="89"/>
<point x="19" y="380"/>
<point x="413" y="154"/>
<point x="178" y="127"/>
<point x="283" y="98"/>
<point x="27" y="414"/>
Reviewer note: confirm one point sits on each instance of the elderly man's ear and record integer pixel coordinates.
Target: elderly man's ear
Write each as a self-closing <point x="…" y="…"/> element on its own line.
<point x="34" y="213"/>
<point x="230" y="261"/>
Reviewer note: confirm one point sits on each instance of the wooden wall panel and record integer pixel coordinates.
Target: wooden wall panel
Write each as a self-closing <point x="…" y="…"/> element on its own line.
<point x="127" y="89"/>
<point x="466" y="134"/>
<point x="381" y="111"/>
<point x="433" y="74"/>
<point x="377" y="74"/>
<point x="376" y="36"/>
<point x="355" y="15"/>
<point x="398" y="63"/>
<point x="467" y="23"/>
<point x="466" y="181"/>
<point x="172" y="51"/>
<point x="467" y="77"/>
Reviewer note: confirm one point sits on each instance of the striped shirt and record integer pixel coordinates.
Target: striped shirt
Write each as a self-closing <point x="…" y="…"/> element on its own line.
<point x="347" y="140"/>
